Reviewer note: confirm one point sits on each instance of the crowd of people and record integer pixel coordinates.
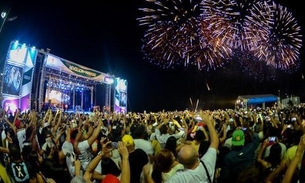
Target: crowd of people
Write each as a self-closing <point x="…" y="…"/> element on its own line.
<point x="250" y="145"/>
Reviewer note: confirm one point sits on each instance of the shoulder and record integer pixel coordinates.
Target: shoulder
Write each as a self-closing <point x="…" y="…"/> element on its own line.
<point x="83" y="144"/>
<point x="21" y="131"/>
<point x="179" y="176"/>
<point x="178" y="166"/>
<point x="211" y="153"/>
<point x="142" y="142"/>
<point x="140" y="153"/>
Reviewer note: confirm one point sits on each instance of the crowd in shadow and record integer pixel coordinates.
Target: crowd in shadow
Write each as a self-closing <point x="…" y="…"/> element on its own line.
<point x="240" y="145"/>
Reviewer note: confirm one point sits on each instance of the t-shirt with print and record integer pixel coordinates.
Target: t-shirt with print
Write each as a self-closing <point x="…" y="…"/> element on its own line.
<point x="20" y="172"/>
<point x="85" y="155"/>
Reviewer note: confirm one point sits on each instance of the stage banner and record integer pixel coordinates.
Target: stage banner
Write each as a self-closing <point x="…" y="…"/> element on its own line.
<point x="120" y="95"/>
<point x="12" y="75"/>
<point x="27" y="80"/>
<point x="68" y="67"/>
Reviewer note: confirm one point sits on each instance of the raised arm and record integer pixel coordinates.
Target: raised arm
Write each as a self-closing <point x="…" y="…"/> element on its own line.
<point x="96" y="132"/>
<point x="214" y="139"/>
<point x="92" y="165"/>
<point x="294" y="163"/>
<point x="11" y="125"/>
<point x="58" y="121"/>
<point x="125" y="176"/>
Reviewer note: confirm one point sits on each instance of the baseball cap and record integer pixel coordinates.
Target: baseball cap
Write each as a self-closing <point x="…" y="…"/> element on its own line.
<point x="238" y="138"/>
<point x="110" y="179"/>
<point x="127" y="140"/>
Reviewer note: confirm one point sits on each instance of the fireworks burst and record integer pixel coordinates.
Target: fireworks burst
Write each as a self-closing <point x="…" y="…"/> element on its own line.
<point x="175" y="11"/>
<point x="208" y="33"/>
<point x="171" y="30"/>
<point x="213" y="49"/>
<point x="250" y="21"/>
<point x="285" y="41"/>
<point x="159" y="46"/>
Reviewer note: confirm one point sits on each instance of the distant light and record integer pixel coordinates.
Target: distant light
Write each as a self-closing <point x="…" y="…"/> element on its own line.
<point x="15" y="45"/>
<point x="33" y="48"/>
<point x="121" y="84"/>
<point x="3" y="14"/>
<point x="108" y="80"/>
<point x="23" y="45"/>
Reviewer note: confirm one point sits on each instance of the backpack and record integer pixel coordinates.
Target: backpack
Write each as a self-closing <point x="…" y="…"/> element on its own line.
<point x="19" y="171"/>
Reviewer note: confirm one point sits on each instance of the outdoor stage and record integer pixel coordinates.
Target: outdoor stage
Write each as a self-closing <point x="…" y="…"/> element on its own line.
<point x="33" y="78"/>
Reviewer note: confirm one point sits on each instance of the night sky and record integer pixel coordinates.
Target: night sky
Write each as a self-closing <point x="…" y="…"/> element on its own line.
<point x="104" y="35"/>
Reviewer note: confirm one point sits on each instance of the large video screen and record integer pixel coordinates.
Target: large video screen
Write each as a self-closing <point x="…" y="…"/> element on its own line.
<point x="120" y="96"/>
<point x="12" y="79"/>
<point x="57" y="96"/>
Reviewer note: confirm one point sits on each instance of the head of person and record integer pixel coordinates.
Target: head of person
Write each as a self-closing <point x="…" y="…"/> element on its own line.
<point x="15" y="153"/>
<point x="164" y="129"/>
<point x="109" y="167"/>
<point x="199" y="136"/>
<point x="78" y="179"/>
<point x="238" y="138"/>
<point x="139" y="132"/>
<point x="171" y="144"/>
<point x="164" y="160"/>
<point x="162" y="163"/>
<point x="129" y="142"/>
<point x="188" y="156"/>
<point x="203" y="147"/>
<point x="275" y="154"/>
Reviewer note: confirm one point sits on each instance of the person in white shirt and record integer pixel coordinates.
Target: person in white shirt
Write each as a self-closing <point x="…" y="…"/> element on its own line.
<point x="140" y="142"/>
<point x="194" y="168"/>
<point x="162" y="133"/>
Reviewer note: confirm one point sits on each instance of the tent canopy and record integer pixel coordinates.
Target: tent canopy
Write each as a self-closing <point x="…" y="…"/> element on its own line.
<point x="258" y="99"/>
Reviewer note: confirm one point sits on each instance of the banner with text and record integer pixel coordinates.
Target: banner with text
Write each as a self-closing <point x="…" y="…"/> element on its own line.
<point x="68" y="67"/>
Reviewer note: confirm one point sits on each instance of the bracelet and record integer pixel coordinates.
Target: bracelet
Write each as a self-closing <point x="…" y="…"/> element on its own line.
<point x="101" y="154"/>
